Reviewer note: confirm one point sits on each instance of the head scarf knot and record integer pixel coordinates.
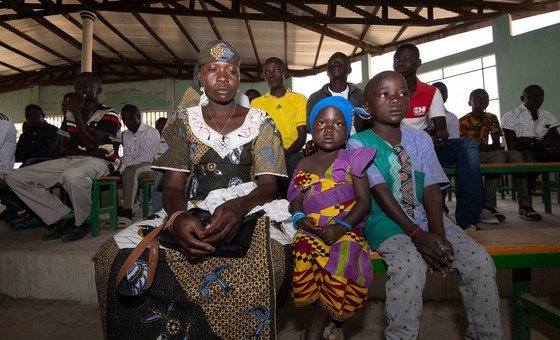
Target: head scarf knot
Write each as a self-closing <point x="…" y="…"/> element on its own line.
<point x="344" y="105"/>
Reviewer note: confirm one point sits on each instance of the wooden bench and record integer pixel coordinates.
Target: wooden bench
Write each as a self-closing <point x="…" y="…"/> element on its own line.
<point x="514" y="168"/>
<point x="519" y="250"/>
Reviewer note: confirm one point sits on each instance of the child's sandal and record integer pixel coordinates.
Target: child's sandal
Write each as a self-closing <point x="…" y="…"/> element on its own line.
<point x="332" y="332"/>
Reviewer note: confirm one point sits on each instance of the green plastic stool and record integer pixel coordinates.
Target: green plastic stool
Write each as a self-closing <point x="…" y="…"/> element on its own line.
<point x="109" y="182"/>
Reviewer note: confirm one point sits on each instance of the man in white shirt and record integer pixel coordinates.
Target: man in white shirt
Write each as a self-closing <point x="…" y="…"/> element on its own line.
<point x="7" y="145"/>
<point x="532" y="131"/>
<point x="140" y="142"/>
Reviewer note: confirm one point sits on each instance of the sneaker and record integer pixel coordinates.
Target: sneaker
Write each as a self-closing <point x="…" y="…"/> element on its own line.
<point x="528" y="213"/>
<point x="501" y="217"/>
<point x="487" y="217"/>
<point x="471" y="227"/>
<point x="57" y="230"/>
<point x="30" y="222"/>
<point x="76" y="232"/>
<point x="20" y="217"/>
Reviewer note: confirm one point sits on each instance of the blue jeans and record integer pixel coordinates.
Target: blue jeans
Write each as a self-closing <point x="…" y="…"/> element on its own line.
<point x="463" y="153"/>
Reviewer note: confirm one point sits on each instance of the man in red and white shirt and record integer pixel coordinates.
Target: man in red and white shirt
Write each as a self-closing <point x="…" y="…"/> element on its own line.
<point x="426" y="112"/>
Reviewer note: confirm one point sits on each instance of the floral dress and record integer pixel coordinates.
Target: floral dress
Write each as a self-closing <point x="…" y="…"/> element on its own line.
<point x="220" y="298"/>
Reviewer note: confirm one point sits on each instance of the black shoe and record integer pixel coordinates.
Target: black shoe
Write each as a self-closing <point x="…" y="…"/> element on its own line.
<point x="76" y="232"/>
<point x="57" y="230"/>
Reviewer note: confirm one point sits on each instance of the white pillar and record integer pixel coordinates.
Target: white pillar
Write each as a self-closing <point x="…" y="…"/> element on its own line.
<point x="87" y="39"/>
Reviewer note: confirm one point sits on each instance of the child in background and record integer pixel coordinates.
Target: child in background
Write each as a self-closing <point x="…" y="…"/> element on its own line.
<point x="406" y="224"/>
<point x="329" y="201"/>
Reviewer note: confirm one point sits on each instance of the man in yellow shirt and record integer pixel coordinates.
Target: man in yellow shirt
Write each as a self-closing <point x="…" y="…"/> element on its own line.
<point x="288" y="109"/>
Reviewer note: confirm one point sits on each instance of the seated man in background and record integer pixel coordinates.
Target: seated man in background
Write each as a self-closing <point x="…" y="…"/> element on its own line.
<point x="288" y="110"/>
<point x="8" y="134"/>
<point x="338" y="70"/>
<point x="252" y="94"/>
<point x="39" y="140"/>
<point x="157" y="188"/>
<point x="478" y="125"/>
<point x="532" y="131"/>
<point x="87" y="131"/>
<point x="450" y="118"/>
<point x="426" y="112"/>
<point x="140" y="142"/>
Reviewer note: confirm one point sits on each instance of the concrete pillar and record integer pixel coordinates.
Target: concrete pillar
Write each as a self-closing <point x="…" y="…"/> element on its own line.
<point x="366" y="68"/>
<point x="88" y="19"/>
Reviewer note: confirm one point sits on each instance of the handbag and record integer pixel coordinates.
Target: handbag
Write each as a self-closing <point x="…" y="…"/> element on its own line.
<point x="238" y="247"/>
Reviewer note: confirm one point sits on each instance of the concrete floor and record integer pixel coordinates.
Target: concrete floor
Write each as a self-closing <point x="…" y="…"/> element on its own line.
<point x="56" y="317"/>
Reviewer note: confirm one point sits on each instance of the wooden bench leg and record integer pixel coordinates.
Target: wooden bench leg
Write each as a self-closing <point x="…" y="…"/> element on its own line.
<point x="546" y="193"/>
<point x="145" y="198"/>
<point x="94" y="214"/>
<point x="521" y="322"/>
<point x="113" y="200"/>
<point x="96" y="205"/>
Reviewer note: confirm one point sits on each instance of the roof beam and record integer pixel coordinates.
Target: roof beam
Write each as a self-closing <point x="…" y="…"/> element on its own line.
<point x="374" y="12"/>
<point x="250" y="32"/>
<point x="155" y="36"/>
<point x="36" y="43"/>
<point x="23" y="54"/>
<point x="401" y="31"/>
<point x="183" y="30"/>
<point x="211" y="21"/>
<point x="33" y="10"/>
<point x="255" y="4"/>
<point x="6" y="65"/>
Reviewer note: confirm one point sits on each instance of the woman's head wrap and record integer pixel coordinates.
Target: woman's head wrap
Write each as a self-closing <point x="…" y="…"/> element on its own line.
<point x="344" y="105"/>
<point x="214" y="51"/>
<point x="218" y="51"/>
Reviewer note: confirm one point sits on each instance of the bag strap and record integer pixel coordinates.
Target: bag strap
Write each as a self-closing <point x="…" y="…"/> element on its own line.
<point x="151" y="242"/>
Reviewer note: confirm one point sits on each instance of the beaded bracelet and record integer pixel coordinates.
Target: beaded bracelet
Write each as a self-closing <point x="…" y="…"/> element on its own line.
<point x="344" y="224"/>
<point x="296" y="216"/>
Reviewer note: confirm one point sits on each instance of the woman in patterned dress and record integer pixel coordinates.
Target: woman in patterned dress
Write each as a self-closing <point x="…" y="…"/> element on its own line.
<point x="329" y="202"/>
<point x="195" y="295"/>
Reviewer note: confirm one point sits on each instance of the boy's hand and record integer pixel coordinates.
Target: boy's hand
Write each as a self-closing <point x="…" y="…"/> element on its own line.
<point x="435" y="250"/>
<point x="332" y="233"/>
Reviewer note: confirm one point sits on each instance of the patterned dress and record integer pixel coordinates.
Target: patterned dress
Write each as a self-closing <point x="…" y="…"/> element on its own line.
<point x="338" y="276"/>
<point x="220" y="298"/>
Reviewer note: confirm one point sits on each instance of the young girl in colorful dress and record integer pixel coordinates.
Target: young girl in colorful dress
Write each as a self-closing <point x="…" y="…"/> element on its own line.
<point x="329" y="200"/>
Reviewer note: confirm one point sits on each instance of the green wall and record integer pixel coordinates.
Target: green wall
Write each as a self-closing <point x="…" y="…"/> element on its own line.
<point x="530" y="58"/>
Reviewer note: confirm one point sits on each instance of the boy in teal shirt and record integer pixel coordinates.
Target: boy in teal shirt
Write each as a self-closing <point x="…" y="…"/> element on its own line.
<point x="406" y="225"/>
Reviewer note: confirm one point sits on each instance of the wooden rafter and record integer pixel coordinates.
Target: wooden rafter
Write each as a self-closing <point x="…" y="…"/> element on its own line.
<point x="155" y="36"/>
<point x="35" y="42"/>
<point x="322" y="17"/>
<point x="401" y="31"/>
<point x="23" y="54"/>
<point x="250" y="32"/>
<point x="183" y="30"/>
